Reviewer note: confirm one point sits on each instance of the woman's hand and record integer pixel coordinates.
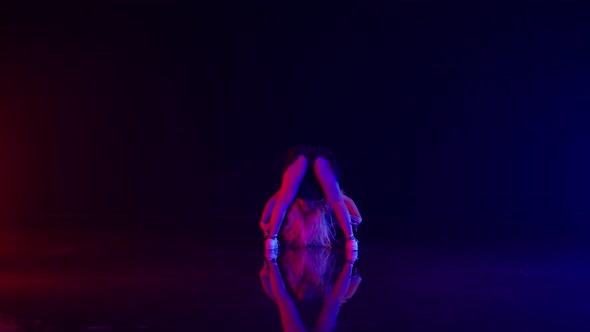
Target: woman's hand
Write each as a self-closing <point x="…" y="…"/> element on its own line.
<point x="355" y="221"/>
<point x="265" y="226"/>
<point x="355" y="215"/>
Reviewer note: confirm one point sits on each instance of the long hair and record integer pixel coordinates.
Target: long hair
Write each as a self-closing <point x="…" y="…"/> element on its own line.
<point x="313" y="227"/>
<point x="310" y="269"/>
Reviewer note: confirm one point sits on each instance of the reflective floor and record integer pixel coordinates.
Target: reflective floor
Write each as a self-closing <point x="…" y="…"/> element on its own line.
<point x="83" y="280"/>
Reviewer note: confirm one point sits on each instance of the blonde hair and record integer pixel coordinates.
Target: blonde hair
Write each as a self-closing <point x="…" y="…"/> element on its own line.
<point x="309" y="228"/>
<point x="314" y="228"/>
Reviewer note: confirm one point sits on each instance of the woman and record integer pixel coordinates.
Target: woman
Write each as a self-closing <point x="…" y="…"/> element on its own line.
<point x="309" y="192"/>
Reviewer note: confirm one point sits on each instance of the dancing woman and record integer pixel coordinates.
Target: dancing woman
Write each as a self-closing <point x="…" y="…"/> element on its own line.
<point x="309" y="193"/>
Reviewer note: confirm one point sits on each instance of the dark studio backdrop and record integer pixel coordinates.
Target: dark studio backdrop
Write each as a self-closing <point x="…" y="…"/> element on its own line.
<point x="442" y="117"/>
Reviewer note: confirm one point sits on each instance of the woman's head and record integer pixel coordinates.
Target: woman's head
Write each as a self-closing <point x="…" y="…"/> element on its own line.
<point x="309" y="223"/>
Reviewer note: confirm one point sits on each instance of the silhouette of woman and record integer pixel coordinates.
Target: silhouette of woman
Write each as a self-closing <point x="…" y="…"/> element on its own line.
<point x="309" y="193"/>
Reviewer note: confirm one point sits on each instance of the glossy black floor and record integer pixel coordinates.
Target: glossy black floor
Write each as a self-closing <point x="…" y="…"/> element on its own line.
<point x="169" y="279"/>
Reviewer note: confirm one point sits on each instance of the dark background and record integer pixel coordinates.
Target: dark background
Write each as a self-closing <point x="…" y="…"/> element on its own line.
<point x="442" y="116"/>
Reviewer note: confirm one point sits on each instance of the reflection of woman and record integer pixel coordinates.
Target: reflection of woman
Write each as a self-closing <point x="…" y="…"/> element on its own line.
<point x="307" y="295"/>
<point x="309" y="192"/>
